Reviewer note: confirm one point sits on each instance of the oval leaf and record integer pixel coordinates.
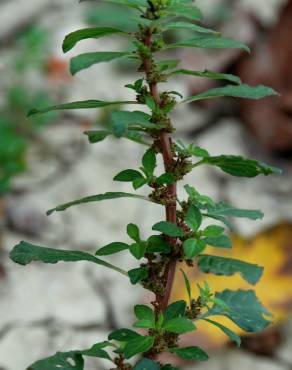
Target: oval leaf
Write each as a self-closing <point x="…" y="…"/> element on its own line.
<point x="86" y="60"/>
<point x="168" y="228"/>
<point x="96" y="32"/>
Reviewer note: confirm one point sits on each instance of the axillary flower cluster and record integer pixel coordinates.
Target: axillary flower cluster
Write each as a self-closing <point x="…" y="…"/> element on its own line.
<point x="183" y="235"/>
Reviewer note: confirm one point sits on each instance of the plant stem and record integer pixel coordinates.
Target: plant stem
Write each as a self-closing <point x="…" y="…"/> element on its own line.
<point x="170" y="208"/>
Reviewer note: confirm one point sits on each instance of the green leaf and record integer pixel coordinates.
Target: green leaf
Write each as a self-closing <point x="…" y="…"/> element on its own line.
<point x="187" y="284"/>
<point x="234" y="337"/>
<point x="138" y="345"/>
<point x="245" y="310"/>
<point x="239" y="166"/>
<point x="157" y="244"/>
<point x="146" y="364"/>
<point x="133" y="232"/>
<point x="168" y="367"/>
<point x="193" y="247"/>
<point x="190" y="27"/>
<point x="97" y="32"/>
<point x="240" y="91"/>
<point x="97" y="351"/>
<point x="144" y="312"/>
<point x="179" y="325"/>
<point x="135" y="4"/>
<point x="175" y="309"/>
<point x="168" y="228"/>
<point x="213" y="230"/>
<point x="139" y="182"/>
<point x="96" y="198"/>
<point x="123" y="335"/>
<point x="149" y="161"/>
<point x="229" y="266"/>
<point x="138" y="249"/>
<point x="124" y="120"/>
<point x="112" y="248"/>
<point x="97" y="135"/>
<point x="194" y="218"/>
<point x="221" y="241"/>
<point x="24" y="253"/>
<point x="224" y="209"/>
<point x="72" y="360"/>
<point x="165" y="178"/>
<point x="164" y="65"/>
<point x="128" y="176"/>
<point x="138" y="274"/>
<point x="190" y="353"/>
<point x="60" y="361"/>
<point x="207" y="74"/>
<point x="86" y="104"/>
<point x="145" y="316"/>
<point x="86" y="60"/>
<point x="210" y="42"/>
<point x="186" y="11"/>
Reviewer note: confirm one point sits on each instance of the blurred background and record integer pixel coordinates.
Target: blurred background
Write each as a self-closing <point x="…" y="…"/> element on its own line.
<point x="46" y="160"/>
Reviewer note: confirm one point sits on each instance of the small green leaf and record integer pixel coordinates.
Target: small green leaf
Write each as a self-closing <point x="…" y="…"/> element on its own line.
<point x="190" y="353"/>
<point x="60" y="361"/>
<point x="128" y="176"/>
<point x="139" y="182"/>
<point x="164" y="65"/>
<point x="138" y="345"/>
<point x="198" y="151"/>
<point x="168" y="228"/>
<point x="86" y="60"/>
<point x="138" y="249"/>
<point x="175" y="309"/>
<point x="165" y="178"/>
<point x="179" y="325"/>
<point x="190" y="27"/>
<point x="187" y="284"/>
<point x="185" y="10"/>
<point x="123" y="335"/>
<point x="210" y="42"/>
<point x="144" y="312"/>
<point x="234" y="337"/>
<point x="149" y="161"/>
<point x="207" y="74"/>
<point x="24" y="253"/>
<point x="241" y="167"/>
<point x="146" y="364"/>
<point x="224" y="209"/>
<point x="157" y="244"/>
<point x="245" y="310"/>
<point x="97" y="135"/>
<point x="123" y="121"/>
<point x="213" y="230"/>
<point x="95" y="198"/>
<point x="193" y="247"/>
<point x="239" y="91"/>
<point x="194" y="218"/>
<point x="136" y="275"/>
<point x="133" y="232"/>
<point x="229" y="266"/>
<point x="168" y="367"/>
<point x="86" y="104"/>
<point x="112" y="248"/>
<point x="97" y="32"/>
<point x="150" y="102"/>
<point x="221" y="241"/>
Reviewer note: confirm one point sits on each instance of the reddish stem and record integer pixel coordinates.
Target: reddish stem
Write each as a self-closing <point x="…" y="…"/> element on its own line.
<point x="170" y="208"/>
